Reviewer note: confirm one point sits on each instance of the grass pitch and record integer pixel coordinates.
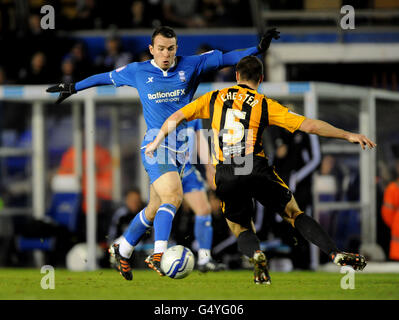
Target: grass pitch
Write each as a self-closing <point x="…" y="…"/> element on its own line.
<point x="107" y="284"/>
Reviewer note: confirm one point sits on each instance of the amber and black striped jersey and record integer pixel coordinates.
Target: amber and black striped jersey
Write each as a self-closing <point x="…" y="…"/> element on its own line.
<point x="238" y="117"/>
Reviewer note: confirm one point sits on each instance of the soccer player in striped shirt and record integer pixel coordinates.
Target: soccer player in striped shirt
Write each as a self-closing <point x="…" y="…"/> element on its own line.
<point x="238" y="118"/>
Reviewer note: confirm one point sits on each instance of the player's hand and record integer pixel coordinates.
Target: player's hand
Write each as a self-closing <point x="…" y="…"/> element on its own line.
<point x="267" y="39"/>
<point x="361" y="139"/>
<point x="149" y="149"/>
<point x="65" y="90"/>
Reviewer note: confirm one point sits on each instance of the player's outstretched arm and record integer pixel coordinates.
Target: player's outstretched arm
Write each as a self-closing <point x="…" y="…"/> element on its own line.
<point x="231" y="58"/>
<point x="324" y="129"/>
<point x="65" y="90"/>
<point x="68" y="89"/>
<point x="267" y="38"/>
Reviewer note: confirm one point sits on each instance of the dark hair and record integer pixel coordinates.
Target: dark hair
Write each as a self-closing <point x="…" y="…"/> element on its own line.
<point x="133" y="189"/>
<point x="250" y="68"/>
<point x="167" y="32"/>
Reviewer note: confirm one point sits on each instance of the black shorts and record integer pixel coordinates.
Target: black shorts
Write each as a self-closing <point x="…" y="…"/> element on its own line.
<point x="237" y="192"/>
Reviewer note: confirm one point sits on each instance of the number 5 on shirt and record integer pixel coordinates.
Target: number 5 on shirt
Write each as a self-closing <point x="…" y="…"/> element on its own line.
<point x="235" y="128"/>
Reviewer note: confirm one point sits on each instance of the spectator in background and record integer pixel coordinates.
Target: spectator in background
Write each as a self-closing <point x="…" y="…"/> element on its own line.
<point x="329" y="187"/>
<point x="28" y="43"/>
<point x="146" y="14"/>
<point x="103" y="164"/>
<point x="213" y="12"/>
<point x="47" y="41"/>
<point x="137" y="10"/>
<point x="88" y="15"/>
<point x="37" y="39"/>
<point x="141" y="15"/>
<point x="390" y="209"/>
<point x="81" y="61"/>
<point x="103" y="182"/>
<point x="35" y="33"/>
<point x="330" y="169"/>
<point x="68" y="71"/>
<point x="144" y="56"/>
<point x="114" y="56"/>
<point x="182" y="14"/>
<point x="133" y="204"/>
<point x="37" y="72"/>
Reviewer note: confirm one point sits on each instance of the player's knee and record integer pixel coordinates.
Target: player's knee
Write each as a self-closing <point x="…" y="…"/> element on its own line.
<point x="296" y="214"/>
<point x="239" y="230"/>
<point x="150" y="212"/>
<point x="235" y="228"/>
<point x="152" y="207"/>
<point x="291" y="217"/>
<point x="173" y="198"/>
<point x="203" y="210"/>
<point x="177" y="200"/>
<point x="291" y="212"/>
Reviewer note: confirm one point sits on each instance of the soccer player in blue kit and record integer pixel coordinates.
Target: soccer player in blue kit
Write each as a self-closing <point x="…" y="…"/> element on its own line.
<point x="165" y="84"/>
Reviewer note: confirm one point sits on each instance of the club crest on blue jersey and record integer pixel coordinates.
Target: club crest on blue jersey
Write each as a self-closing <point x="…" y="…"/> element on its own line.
<point x="182" y="76"/>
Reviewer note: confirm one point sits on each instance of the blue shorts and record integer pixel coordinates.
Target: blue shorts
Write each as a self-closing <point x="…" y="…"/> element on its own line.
<point x="163" y="161"/>
<point x="192" y="179"/>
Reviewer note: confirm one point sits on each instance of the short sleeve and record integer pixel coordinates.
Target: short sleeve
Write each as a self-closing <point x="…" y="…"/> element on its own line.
<point x="124" y="76"/>
<point x="198" y="109"/>
<point x="283" y="117"/>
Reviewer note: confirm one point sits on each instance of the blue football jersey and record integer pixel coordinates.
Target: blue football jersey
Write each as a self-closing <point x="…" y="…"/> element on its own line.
<point x="164" y="92"/>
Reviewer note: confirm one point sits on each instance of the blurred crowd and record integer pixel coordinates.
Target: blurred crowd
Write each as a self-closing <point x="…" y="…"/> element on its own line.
<point x="127" y="14"/>
<point x="49" y="56"/>
<point x="32" y="55"/>
<point x="68" y="61"/>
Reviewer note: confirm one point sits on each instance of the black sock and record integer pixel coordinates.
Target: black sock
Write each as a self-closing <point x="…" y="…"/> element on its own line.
<point x="314" y="233"/>
<point x="248" y="243"/>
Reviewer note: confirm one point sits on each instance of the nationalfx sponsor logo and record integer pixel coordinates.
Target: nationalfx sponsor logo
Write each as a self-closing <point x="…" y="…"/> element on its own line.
<point x="166" y="96"/>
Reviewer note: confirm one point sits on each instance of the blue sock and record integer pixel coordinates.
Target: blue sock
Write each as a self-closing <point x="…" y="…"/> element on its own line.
<point x="163" y="222"/>
<point x="137" y="228"/>
<point x="203" y="231"/>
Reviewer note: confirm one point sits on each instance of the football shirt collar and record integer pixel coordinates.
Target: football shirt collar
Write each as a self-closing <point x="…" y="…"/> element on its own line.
<point x="165" y="72"/>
